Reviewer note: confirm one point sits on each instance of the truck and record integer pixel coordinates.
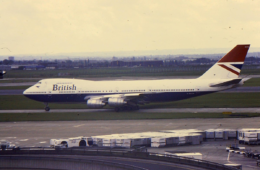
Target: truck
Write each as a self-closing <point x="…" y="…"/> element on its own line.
<point x="6" y="145"/>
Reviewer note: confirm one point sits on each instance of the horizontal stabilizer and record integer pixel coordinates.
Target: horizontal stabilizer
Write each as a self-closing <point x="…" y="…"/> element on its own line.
<point x="227" y="83"/>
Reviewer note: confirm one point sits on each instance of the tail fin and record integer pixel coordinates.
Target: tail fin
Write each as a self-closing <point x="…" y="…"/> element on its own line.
<point x="228" y="66"/>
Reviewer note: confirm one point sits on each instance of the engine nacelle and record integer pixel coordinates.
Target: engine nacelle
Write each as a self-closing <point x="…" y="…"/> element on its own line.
<point x="114" y="101"/>
<point x="95" y="103"/>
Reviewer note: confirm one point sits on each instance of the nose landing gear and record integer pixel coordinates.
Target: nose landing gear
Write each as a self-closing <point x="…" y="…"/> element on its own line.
<point x="47" y="108"/>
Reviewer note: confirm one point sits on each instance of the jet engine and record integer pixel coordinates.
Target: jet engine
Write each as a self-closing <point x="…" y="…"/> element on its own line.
<point x="114" y="101"/>
<point x="95" y="103"/>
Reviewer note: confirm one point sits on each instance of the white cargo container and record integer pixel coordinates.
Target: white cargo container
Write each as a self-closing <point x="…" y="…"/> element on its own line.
<point x="219" y="134"/>
<point x="167" y="140"/>
<point x="210" y="134"/>
<point x="188" y="139"/>
<point x="250" y="135"/>
<point x="258" y="136"/>
<point x="182" y="140"/>
<point x="175" y="140"/>
<point x="157" y="145"/>
<point x="107" y="142"/>
<point x="195" y="139"/>
<point x="195" y="155"/>
<point x="138" y="141"/>
<point x="52" y="142"/>
<point x="246" y="139"/>
<point x="119" y="142"/>
<point x="232" y="133"/>
<point x="126" y="145"/>
<point x="225" y="135"/>
<point x="97" y="141"/>
<point x="158" y="140"/>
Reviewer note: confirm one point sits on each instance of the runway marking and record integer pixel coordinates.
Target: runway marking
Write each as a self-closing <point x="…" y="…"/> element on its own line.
<point x="43" y="142"/>
<point x="24" y="140"/>
<point x="79" y="125"/>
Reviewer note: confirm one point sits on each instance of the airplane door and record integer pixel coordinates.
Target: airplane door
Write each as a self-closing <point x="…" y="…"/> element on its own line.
<point x="48" y="88"/>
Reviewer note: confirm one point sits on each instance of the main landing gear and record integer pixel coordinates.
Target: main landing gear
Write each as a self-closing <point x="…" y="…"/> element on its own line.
<point x="128" y="108"/>
<point x="47" y="107"/>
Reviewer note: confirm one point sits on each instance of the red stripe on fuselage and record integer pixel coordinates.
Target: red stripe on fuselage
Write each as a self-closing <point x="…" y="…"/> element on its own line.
<point x="229" y="69"/>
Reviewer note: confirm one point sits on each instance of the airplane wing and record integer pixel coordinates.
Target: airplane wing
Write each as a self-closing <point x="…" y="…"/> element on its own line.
<point x="124" y="96"/>
<point x="230" y="82"/>
<point x="226" y="83"/>
<point x="136" y="98"/>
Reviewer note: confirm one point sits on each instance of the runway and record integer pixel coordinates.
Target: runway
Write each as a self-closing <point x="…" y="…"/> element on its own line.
<point x="234" y="90"/>
<point x="17" y="84"/>
<point x="162" y="110"/>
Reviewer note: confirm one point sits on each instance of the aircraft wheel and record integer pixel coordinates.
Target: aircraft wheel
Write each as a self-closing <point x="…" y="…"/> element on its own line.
<point x="117" y="109"/>
<point x="47" y="109"/>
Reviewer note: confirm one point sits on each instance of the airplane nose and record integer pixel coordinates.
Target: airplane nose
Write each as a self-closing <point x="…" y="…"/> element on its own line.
<point x="26" y="91"/>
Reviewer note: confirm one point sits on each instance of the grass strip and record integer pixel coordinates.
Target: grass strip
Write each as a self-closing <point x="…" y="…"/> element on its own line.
<point x="215" y="100"/>
<point x="13" y="87"/>
<point x="117" y="72"/>
<point x="7" y="117"/>
<point x="252" y="82"/>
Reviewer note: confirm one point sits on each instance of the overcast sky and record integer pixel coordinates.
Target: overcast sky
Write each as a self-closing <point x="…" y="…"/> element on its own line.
<point x="68" y="26"/>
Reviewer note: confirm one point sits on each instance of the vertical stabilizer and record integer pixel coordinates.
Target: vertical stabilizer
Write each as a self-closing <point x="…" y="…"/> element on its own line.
<point x="229" y="66"/>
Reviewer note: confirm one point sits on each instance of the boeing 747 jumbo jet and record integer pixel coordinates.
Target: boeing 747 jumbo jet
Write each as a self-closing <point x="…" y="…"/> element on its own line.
<point x="127" y="95"/>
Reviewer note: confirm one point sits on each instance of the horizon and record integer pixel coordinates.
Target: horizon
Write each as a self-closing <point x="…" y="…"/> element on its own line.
<point x="48" y="28"/>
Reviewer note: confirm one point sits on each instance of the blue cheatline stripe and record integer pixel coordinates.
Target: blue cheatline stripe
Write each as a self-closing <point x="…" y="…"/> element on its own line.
<point x="239" y="66"/>
<point x="80" y="98"/>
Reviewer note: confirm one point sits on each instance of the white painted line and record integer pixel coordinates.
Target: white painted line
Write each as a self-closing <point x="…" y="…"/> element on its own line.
<point x="79" y="125"/>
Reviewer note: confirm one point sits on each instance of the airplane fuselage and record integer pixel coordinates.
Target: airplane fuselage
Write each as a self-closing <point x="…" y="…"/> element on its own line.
<point x="76" y="90"/>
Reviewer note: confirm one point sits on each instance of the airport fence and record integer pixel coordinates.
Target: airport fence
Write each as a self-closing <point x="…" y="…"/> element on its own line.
<point x="119" y="153"/>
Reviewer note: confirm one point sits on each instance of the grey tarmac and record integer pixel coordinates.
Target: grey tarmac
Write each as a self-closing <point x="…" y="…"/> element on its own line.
<point x="39" y="134"/>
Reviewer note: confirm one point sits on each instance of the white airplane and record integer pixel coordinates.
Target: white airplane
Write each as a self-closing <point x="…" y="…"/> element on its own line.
<point x="127" y="95"/>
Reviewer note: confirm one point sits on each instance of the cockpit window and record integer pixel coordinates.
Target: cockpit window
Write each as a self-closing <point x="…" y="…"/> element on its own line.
<point x="39" y="82"/>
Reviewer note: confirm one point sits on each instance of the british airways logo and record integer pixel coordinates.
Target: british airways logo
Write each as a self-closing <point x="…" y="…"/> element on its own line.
<point x="235" y="68"/>
<point x="57" y="87"/>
